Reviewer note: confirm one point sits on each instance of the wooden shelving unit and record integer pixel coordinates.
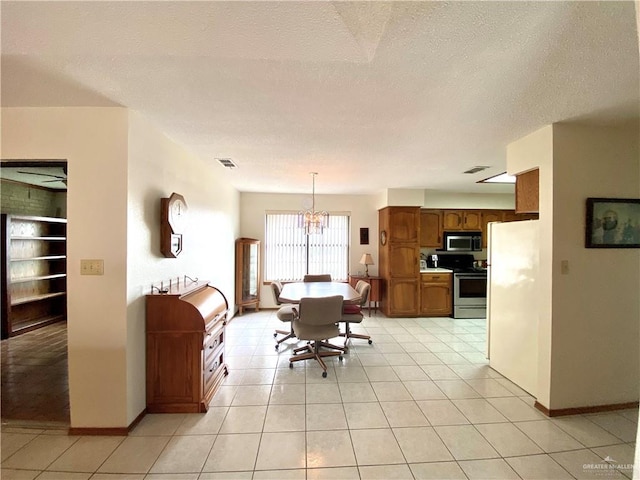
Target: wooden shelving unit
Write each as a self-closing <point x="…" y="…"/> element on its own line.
<point x="34" y="272"/>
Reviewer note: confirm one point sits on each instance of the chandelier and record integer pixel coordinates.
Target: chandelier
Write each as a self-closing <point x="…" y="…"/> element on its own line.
<point x="310" y="220"/>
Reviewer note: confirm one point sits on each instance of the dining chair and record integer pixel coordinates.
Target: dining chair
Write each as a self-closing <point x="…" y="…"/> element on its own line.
<point x="352" y="313"/>
<point x="324" y="277"/>
<point x="284" y="314"/>
<point x="315" y="320"/>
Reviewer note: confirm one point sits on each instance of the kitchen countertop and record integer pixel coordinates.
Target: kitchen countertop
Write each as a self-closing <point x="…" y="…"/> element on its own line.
<point x="435" y="270"/>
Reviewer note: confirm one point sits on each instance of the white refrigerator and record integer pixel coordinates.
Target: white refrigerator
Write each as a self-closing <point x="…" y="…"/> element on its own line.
<point x="512" y="301"/>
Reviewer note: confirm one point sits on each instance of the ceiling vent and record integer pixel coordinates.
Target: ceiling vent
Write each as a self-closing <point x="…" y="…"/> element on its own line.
<point x="227" y="162"/>
<point x="476" y="169"/>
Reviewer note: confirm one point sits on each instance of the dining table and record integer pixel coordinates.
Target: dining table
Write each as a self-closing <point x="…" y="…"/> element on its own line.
<point x="295" y="291"/>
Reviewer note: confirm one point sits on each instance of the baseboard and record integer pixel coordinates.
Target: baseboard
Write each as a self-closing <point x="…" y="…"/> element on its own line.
<point x="117" y="431"/>
<point x="558" y="412"/>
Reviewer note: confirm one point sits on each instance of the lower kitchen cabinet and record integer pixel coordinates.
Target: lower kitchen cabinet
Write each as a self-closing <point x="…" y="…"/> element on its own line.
<point x="402" y="298"/>
<point x="435" y="295"/>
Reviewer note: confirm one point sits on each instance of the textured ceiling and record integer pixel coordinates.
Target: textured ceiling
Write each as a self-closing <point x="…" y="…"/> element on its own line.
<point x="371" y="95"/>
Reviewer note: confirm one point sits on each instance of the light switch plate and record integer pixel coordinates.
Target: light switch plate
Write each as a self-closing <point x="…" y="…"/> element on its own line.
<point x="92" y="267"/>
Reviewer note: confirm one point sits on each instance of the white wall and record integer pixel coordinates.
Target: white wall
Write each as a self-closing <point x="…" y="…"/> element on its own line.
<point x="94" y="143"/>
<point x="589" y="318"/>
<point x="362" y="208"/>
<point x="440" y="199"/>
<point x="596" y="314"/>
<point x="119" y="166"/>
<point x="536" y="151"/>
<point x="157" y="168"/>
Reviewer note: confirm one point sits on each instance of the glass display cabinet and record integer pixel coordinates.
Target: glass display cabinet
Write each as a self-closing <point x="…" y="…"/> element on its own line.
<point x="247" y="273"/>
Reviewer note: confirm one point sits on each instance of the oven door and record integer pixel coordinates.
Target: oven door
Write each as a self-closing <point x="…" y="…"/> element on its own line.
<point x="470" y="295"/>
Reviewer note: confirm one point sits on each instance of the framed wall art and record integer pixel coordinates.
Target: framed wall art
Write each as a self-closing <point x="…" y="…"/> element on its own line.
<point x="613" y="223"/>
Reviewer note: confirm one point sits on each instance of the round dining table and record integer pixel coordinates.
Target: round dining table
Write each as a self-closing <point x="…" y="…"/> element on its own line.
<point x="293" y="292"/>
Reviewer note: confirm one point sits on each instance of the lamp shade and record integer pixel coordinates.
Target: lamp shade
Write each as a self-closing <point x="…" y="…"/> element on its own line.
<point x="366" y="259"/>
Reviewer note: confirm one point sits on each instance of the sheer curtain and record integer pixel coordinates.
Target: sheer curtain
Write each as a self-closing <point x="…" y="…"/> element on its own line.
<point x="290" y="254"/>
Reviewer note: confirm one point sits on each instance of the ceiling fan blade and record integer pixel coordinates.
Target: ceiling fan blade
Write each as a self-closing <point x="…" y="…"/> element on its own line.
<point x="60" y="177"/>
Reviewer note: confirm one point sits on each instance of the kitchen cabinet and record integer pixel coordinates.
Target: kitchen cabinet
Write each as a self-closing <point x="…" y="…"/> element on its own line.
<point x="462" y="220"/>
<point x="399" y="253"/>
<point x="431" y="228"/>
<point x="489" y="216"/>
<point x="247" y="273"/>
<point x="527" y="191"/>
<point x="34" y="280"/>
<point x="512" y="216"/>
<point x="435" y="294"/>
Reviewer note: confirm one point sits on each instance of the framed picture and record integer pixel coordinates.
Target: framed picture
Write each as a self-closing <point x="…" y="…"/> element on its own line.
<point x="613" y="223"/>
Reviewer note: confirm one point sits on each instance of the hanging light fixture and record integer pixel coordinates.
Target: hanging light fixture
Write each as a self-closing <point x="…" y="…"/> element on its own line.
<point x="310" y="220"/>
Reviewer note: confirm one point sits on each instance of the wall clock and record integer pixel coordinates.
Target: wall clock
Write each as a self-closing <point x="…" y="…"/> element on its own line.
<point x="173" y="219"/>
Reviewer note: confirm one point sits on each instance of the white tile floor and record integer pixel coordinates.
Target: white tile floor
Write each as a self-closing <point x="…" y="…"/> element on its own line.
<point x="420" y="403"/>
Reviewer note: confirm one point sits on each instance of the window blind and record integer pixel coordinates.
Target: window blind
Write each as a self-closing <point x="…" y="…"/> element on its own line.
<point x="288" y="251"/>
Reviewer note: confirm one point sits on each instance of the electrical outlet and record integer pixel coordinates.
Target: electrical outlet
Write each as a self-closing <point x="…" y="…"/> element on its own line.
<point x="92" y="267"/>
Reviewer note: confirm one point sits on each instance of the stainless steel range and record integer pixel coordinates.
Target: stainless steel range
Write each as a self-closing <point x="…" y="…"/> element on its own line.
<point x="469" y="285"/>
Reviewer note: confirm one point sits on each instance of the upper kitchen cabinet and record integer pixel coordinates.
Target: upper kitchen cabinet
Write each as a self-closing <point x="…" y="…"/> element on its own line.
<point x="462" y="220"/>
<point x="403" y="224"/>
<point x="527" y="191"/>
<point x="489" y="216"/>
<point x="431" y="228"/>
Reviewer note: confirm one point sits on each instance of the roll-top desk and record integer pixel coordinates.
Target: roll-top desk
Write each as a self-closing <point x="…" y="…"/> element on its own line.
<point x="185" y="347"/>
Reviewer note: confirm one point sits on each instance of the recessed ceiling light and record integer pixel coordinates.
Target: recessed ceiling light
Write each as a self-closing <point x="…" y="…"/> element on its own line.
<point x="500" y="178"/>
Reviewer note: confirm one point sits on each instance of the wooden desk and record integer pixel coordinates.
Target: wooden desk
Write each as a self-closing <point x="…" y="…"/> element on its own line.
<point x="374" y="293"/>
<point x="293" y="292"/>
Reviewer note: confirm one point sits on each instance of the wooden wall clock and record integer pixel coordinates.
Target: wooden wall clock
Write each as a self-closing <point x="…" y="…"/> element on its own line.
<point x="173" y="219"/>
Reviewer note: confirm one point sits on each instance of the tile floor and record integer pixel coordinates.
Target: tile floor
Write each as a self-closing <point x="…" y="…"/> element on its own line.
<point x="420" y="403"/>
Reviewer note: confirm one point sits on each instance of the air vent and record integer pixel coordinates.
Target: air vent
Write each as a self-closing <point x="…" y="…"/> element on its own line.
<point x="476" y="169"/>
<point x="227" y="162"/>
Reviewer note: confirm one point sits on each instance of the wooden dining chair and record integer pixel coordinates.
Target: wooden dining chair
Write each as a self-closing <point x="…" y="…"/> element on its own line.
<point x="315" y="320"/>
<point x="324" y="277"/>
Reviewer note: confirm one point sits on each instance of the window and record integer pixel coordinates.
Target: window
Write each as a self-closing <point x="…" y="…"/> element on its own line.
<point x="288" y="251"/>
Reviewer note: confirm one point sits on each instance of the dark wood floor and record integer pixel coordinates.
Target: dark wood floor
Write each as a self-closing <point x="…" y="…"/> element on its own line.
<point x="35" y="387"/>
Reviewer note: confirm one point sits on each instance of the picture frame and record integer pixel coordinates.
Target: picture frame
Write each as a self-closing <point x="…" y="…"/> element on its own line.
<point x="612" y="223"/>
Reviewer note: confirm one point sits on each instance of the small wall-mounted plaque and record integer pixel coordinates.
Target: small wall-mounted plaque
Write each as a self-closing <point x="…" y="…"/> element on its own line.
<point x="364" y="236"/>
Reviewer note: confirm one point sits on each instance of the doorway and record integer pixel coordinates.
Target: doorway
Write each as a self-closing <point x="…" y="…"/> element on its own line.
<point x="34" y="367"/>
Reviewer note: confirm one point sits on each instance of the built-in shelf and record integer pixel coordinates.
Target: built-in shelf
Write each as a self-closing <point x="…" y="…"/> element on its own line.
<point x="48" y="257"/>
<point x="39" y="277"/>
<point x="36" y="298"/>
<point x="34" y="279"/>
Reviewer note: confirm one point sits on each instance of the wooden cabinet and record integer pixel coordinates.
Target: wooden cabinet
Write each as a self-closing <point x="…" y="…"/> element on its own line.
<point x="399" y="253"/>
<point x="431" y="228"/>
<point x="374" y="292"/>
<point x="527" y="191"/>
<point x="435" y="294"/>
<point x="403" y="225"/>
<point x="489" y="216"/>
<point x="185" y="347"/>
<point x="34" y="280"/>
<point x="462" y="220"/>
<point x="247" y="273"/>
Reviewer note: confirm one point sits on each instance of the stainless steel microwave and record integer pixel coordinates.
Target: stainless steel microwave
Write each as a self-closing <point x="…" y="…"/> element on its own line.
<point x="462" y="241"/>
